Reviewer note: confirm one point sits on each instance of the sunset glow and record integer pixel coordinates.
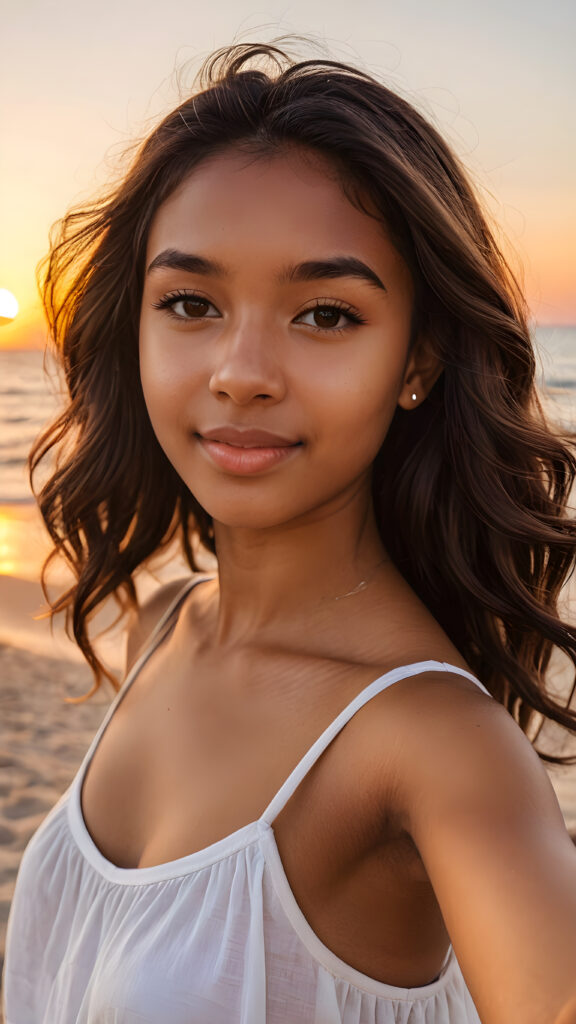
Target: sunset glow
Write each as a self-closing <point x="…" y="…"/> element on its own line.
<point x="518" y="143"/>
<point x="8" y="306"/>
<point x="27" y="330"/>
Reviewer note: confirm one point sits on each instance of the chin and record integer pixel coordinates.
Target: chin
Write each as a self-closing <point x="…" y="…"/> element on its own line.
<point x="253" y="513"/>
<point x="247" y="513"/>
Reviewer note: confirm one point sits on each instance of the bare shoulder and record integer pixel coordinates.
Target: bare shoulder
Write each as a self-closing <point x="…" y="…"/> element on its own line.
<point x="458" y="760"/>
<point x="459" y="752"/>
<point x="471" y="792"/>
<point x="147" y="615"/>
<point x="459" y="743"/>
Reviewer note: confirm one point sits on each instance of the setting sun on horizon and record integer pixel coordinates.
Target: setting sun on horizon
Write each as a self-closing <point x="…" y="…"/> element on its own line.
<point x="543" y="264"/>
<point x="8" y="307"/>
<point x="535" y="228"/>
<point x="75" y="107"/>
<point x="27" y="330"/>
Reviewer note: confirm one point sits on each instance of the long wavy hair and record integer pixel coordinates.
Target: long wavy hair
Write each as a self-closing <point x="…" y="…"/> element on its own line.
<point x="470" y="490"/>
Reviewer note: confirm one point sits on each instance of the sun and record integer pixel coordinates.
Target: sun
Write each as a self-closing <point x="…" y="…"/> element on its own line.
<point x="8" y="306"/>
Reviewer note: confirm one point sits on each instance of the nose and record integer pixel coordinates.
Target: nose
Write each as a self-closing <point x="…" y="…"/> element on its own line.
<point x="246" y="366"/>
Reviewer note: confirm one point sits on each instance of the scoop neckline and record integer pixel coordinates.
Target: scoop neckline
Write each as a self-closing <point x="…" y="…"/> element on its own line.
<point x="232" y="843"/>
<point x="255" y="832"/>
<point x="259" y="831"/>
<point x="221" y="848"/>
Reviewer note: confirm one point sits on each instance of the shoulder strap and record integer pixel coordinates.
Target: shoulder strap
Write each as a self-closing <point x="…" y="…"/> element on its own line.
<point x="318" y="748"/>
<point x="158" y="634"/>
<point x="161" y="629"/>
<point x="171" y="614"/>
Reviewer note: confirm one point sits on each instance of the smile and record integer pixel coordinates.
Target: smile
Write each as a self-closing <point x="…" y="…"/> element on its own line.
<point x="247" y="458"/>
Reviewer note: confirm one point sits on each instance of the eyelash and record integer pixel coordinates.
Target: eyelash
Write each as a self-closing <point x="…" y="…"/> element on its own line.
<point x="167" y="302"/>
<point x="352" y="314"/>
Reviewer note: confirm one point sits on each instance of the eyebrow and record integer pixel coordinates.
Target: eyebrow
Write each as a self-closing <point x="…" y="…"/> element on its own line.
<point x="335" y="266"/>
<point x="309" y="270"/>
<point x="173" y="259"/>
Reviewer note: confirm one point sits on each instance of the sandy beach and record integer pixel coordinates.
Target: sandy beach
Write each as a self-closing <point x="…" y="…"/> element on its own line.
<point x="42" y="741"/>
<point x="43" y="738"/>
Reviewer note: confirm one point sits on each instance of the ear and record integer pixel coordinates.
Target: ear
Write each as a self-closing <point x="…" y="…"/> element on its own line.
<point x="422" y="371"/>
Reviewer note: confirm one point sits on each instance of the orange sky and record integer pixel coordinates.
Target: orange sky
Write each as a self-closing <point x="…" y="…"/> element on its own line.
<point x="541" y="242"/>
<point x="498" y="80"/>
<point x="26" y="331"/>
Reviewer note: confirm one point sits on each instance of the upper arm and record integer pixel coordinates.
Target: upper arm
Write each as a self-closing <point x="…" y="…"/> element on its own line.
<point x="488" y="827"/>
<point x="144" y="617"/>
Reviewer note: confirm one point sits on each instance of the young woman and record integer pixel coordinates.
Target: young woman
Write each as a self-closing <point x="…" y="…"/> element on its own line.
<point x="289" y="337"/>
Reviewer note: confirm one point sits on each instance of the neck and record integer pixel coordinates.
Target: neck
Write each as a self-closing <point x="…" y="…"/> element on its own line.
<point x="281" y="576"/>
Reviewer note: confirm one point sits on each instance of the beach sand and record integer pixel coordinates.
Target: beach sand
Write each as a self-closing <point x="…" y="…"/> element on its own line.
<point x="42" y="742"/>
<point x="43" y="739"/>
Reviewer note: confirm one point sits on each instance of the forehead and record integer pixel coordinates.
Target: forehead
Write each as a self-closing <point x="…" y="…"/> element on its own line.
<point x="291" y="202"/>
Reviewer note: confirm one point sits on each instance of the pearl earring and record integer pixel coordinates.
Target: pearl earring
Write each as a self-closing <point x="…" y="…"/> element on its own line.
<point x="414" y="396"/>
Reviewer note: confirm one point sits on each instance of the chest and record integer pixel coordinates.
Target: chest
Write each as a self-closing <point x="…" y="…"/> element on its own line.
<point x="180" y="767"/>
<point x="186" y="759"/>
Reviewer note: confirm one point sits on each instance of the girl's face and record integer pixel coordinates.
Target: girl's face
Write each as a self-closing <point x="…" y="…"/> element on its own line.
<point x="272" y="305"/>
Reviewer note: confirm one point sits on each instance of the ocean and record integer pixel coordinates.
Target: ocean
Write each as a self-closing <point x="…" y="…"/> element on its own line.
<point x="29" y="399"/>
<point x="30" y="396"/>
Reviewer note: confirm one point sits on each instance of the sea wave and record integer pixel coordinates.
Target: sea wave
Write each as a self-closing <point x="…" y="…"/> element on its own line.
<point x="560" y="384"/>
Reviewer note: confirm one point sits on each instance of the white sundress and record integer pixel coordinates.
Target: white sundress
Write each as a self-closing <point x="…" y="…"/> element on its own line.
<point x="216" y="937"/>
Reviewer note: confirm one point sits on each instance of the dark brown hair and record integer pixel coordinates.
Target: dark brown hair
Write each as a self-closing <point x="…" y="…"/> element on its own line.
<point x="470" y="490"/>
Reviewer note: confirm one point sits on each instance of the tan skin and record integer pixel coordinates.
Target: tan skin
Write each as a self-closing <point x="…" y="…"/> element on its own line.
<point x="430" y="814"/>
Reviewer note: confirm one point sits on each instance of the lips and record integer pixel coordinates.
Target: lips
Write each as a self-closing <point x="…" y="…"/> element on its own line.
<point x="246" y="452"/>
<point x="248" y="437"/>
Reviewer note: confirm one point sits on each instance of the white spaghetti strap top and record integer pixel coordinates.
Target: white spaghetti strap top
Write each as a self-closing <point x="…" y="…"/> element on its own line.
<point x="215" y="937"/>
<point x="329" y="734"/>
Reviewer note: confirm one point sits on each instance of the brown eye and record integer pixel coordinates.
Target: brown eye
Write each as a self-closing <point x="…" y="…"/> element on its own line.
<point x="191" y="308"/>
<point x="187" y="306"/>
<point x="327" y="316"/>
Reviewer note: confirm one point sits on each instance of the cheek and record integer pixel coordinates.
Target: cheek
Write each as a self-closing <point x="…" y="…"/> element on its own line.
<point x="359" y="401"/>
<point x="363" y="427"/>
<point x="167" y="380"/>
